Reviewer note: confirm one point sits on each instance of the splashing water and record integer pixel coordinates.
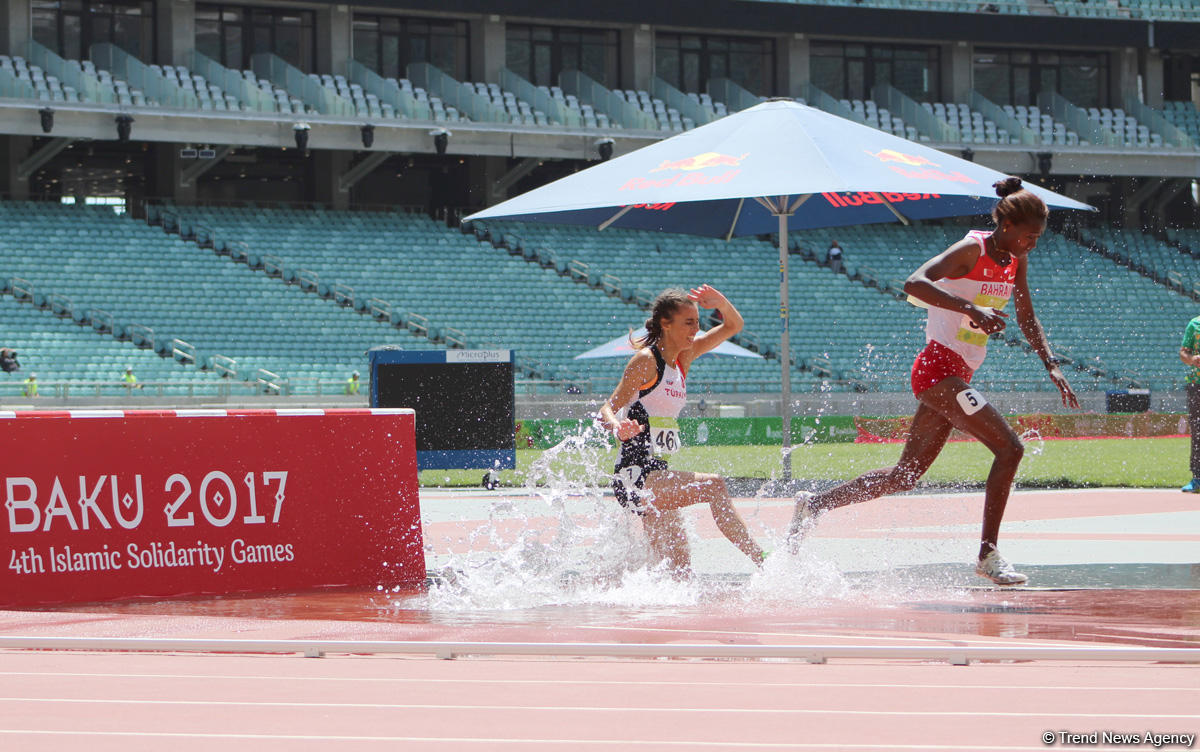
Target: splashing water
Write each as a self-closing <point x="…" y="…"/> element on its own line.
<point x="571" y="545"/>
<point x="1033" y="441"/>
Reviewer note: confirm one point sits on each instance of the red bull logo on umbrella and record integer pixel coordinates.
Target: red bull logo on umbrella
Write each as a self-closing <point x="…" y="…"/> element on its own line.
<point x="863" y="198"/>
<point x="917" y="167"/>
<point x="701" y="161"/>
<point x="688" y="171"/>
<point x="891" y="155"/>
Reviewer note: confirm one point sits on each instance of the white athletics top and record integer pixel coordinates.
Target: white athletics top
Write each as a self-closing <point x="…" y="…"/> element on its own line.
<point x="658" y="406"/>
<point x="987" y="285"/>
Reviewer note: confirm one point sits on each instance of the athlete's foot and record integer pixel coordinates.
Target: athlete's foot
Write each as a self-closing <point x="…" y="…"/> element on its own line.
<point x="998" y="569"/>
<point x="801" y="520"/>
<point x="1193" y="486"/>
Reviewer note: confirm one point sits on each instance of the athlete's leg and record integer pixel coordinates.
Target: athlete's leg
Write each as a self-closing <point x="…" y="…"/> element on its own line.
<point x="668" y="539"/>
<point x="968" y="411"/>
<point x="672" y="489"/>
<point x="926" y="438"/>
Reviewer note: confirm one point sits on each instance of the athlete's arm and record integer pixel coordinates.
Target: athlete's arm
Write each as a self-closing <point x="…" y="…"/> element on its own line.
<point x="640" y="370"/>
<point x="956" y="261"/>
<point x="1036" y="336"/>
<point x="1188" y="357"/>
<point x="707" y="296"/>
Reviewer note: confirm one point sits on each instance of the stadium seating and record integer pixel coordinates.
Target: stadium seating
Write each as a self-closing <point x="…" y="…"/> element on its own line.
<point x="329" y="276"/>
<point x="1185" y="117"/>
<point x="60" y="352"/>
<point x="471" y="292"/>
<point x="152" y="286"/>
<point x="1162" y="10"/>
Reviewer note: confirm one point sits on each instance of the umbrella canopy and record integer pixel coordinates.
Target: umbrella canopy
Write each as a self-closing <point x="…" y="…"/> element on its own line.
<point x="620" y="347"/>
<point x="705" y="181"/>
<point x="773" y="167"/>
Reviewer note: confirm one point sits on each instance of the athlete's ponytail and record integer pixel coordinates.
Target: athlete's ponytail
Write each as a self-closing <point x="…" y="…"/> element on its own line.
<point x="665" y="305"/>
<point x="1017" y="204"/>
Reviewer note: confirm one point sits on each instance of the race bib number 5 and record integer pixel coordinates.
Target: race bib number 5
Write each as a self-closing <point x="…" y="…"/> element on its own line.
<point x="971" y="401"/>
<point x="664" y="435"/>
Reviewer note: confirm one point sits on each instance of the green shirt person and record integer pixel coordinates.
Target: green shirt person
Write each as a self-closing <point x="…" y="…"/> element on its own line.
<point x="1189" y="354"/>
<point x="352" y="383"/>
<point x="31" y="386"/>
<point x="129" y="379"/>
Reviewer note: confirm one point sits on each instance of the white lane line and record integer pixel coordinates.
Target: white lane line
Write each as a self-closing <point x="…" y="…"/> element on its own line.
<point x="956" y="641"/>
<point x="595" y="709"/>
<point x="484" y="740"/>
<point x="972" y="685"/>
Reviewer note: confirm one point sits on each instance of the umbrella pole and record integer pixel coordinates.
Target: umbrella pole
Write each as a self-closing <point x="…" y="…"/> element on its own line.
<point x="785" y="344"/>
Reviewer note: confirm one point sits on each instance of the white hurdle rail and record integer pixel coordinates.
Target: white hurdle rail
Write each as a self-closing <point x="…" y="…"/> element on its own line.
<point x="959" y="655"/>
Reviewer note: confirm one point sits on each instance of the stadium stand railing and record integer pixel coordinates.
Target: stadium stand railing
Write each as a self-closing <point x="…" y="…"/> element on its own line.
<point x="603" y="104"/>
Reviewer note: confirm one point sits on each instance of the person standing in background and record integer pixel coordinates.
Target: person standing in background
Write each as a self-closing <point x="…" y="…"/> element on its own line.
<point x="1189" y="353"/>
<point x="31" y="386"/>
<point x="130" y="380"/>
<point x="834" y="257"/>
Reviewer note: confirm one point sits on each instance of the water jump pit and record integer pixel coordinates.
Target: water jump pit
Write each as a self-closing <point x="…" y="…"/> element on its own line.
<point x="856" y="642"/>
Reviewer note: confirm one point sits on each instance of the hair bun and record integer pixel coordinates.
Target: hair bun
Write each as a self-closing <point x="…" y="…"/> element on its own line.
<point x="1007" y="186"/>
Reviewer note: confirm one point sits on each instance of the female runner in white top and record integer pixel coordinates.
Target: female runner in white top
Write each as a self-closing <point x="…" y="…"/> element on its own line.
<point x="643" y="482"/>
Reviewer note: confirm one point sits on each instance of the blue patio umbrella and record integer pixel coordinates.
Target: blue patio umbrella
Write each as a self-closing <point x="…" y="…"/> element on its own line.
<point x="621" y="347"/>
<point x="773" y="167"/>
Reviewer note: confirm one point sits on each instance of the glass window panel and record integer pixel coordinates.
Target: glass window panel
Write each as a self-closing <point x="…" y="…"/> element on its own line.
<point x="543" y="70"/>
<point x="287" y="46"/>
<point x="718" y="66"/>
<point x="828" y="75"/>
<point x="570" y="58"/>
<point x="45" y="26"/>
<point x="208" y="39"/>
<point x="127" y="34"/>
<point x="746" y="68"/>
<point x="856" y="79"/>
<point x="666" y="63"/>
<point x="1022" y="86"/>
<point x="418" y="50"/>
<point x="594" y="64"/>
<point x="71" y="41"/>
<point x="235" y="50"/>
<point x="993" y="82"/>
<point x="366" y="48"/>
<point x="691" y="72"/>
<point x="518" y="58"/>
<point x="389" y="54"/>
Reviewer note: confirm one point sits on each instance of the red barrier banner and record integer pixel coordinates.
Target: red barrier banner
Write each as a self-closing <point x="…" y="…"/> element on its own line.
<point x="103" y="505"/>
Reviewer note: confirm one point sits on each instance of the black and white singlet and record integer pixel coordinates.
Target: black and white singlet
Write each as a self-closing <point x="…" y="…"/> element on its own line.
<point x="656" y="409"/>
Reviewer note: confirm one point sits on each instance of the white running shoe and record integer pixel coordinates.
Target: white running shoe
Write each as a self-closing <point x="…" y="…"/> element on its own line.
<point x="801" y="521"/>
<point x="998" y="569"/>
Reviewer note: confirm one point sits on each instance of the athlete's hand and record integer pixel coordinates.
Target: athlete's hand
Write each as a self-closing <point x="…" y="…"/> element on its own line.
<point x="707" y="296"/>
<point x="988" y="320"/>
<point x="1068" y="395"/>
<point x="627" y="429"/>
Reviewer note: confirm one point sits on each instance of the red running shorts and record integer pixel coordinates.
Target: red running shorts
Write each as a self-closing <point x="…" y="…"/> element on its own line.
<point x="937" y="362"/>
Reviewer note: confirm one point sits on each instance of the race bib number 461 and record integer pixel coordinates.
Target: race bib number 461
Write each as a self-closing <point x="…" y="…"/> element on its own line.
<point x="664" y="435"/>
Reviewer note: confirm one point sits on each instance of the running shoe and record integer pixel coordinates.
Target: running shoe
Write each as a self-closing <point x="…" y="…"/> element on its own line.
<point x="997" y="569"/>
<point x="1193" y="486"/>
<point x="801" y="521"/>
